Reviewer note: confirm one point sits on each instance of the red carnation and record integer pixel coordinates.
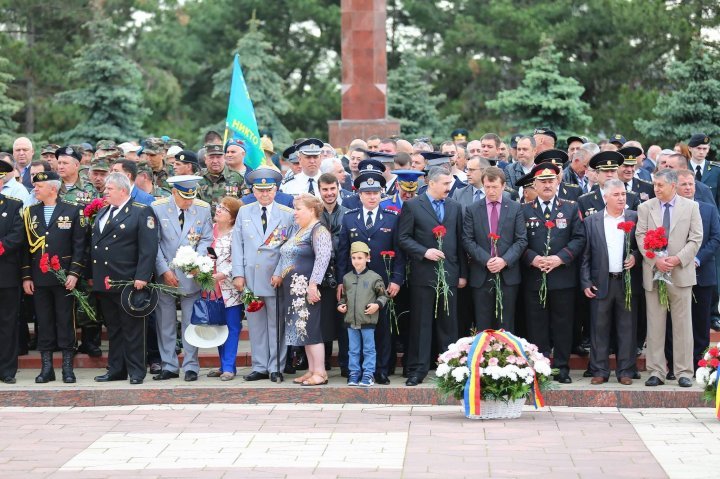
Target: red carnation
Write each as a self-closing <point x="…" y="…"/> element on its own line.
<point x="626" y="226"/>
<point x="493" y="237"/>
<point x="714" y="362"/>
<point x="44" y="266"/>
<point x="702" y="363"/>
<point x="255" y="305"/>
<point x="107" y="282"/>
<point x="55" y="263"/>
<point x="2" y="249"/>
<point x="650" y="254"/>
<point x="549" y="224"/>
<point x="714" y="352"/>
<point x="388" y="254"/>
<point x="439" y="231"/>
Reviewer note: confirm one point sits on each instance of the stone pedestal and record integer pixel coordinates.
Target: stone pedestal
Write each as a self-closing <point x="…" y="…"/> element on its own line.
<point x="364" y="74"/>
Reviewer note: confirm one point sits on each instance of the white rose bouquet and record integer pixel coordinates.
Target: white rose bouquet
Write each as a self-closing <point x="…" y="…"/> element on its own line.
<point x="197" y="267"/>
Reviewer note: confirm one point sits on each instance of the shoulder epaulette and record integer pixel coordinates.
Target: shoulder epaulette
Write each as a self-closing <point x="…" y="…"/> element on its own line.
<point x="13" y="198"/>
<point x="567" y="201"/>
<point x="161" y="201"/>
<point x="640" y="180"/>
<point x="587" y="194"/>
<point x="510" y="190"/>
<point x="140" y="205"/>
<point x="714" y="163"/>
<point x="354" y="210"/>
<point x="284" y="208"/>
<point x="68" y="202"/>
<point x="392" y="212"/>
<point x="572" y="185"/>
<point x="201" y="203"/>
<point x="246" y="205"/>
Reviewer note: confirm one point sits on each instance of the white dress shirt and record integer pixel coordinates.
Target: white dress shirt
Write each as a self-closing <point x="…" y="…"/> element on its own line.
<point x="615" y="239"/>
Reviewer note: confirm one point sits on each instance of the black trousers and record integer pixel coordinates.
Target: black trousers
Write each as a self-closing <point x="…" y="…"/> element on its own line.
<point x="55" y="312"/>
<point x="126" y="337"/>
<point x="465" y="306"/>
<point x="424" y="326"/>
<point x="153" y="350"/>
<point x="383" y="342"/>
<point x="10" y="300"/>
<point x="608" y="312"/>
<point x="552" y="323"/>
<point x="486" y="317"/>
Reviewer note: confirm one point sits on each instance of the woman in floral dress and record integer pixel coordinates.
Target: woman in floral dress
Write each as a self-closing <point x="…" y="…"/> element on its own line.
<point x="303" y="260"/>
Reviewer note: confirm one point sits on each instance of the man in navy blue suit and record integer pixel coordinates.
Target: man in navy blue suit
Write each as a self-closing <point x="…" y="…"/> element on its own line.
<point x="129" y="169"/>
<point x="378" y="228"/>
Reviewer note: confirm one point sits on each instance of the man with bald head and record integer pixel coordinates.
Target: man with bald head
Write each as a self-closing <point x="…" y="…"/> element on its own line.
<point x="23" y="154"/>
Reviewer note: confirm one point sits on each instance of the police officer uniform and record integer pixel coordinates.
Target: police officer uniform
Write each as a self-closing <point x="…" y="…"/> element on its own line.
<point x="708" y="171"/>
<point x="551" y="324"/>
<point x="124" y="247"/>
<point x="301" y="182"/>
<point x="64" y="235"/>
<point x="643" y="189"/>
<point x="593" y="201"/>
<point x="190" y="227"/>
<point x="378" y="229"/>
<point x="407" y="181"/>
<point x="435" y="158"/>
<point x="566" y="191"/>
<point x="12" y="242"/>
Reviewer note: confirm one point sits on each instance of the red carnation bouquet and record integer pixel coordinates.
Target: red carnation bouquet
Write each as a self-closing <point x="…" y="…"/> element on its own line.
<point x="52" y="264"/>
<point x="626" y="227"/>
<point x="252" y="303"/>
<point x="549" y="224"/>
<point x="442" y="288"/>
<point x="387" y="257"/>
<point x="655" y="244"/>
<point x="496" y="281"/>
<point x="91" y="210"/>
<point x="707" y="375"/>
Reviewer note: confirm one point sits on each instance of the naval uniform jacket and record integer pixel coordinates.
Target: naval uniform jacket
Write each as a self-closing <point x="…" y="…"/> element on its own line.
<point x="12" y="239"/>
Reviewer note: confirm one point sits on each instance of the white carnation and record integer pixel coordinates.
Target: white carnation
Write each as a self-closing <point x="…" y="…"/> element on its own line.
<point x="442" y="370"/>
<point x="460" y="373"/>
<point x="702" y="375"/>
<point x="713" y="377"/>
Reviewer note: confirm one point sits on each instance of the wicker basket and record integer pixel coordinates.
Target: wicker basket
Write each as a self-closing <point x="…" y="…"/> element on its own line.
<point x="497" y="409"/>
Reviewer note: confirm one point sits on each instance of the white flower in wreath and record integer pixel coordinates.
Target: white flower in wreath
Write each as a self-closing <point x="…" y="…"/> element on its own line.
<point x="460" y="373"/>
<point x="442" y="370"/>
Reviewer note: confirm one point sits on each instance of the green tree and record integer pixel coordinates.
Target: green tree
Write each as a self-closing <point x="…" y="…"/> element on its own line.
<point x="264" y="84"/>
<point x="411" y="100"/>
<point x="692" y="102"/>
<point x="109" y="89"/>
<point x="545" y="97"/>
<point x="8" y="107"/>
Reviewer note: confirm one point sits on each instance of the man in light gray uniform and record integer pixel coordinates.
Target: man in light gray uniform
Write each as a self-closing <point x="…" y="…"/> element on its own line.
<point x="183" y="221"/>
<point x="260" y="229"/>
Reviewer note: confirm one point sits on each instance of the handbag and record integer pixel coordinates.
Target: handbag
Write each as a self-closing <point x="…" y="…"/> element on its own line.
<point x="209" y="311"/>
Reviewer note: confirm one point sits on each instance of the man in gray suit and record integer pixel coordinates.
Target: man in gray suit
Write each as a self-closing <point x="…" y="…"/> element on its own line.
<point x="601" y="277"/>
<point x="260" y="229"/>
<point x="184" y="221"/>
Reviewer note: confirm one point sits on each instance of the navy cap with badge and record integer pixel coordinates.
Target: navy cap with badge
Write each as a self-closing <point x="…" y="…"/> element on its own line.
<point x="264" y="178"/>
<point x="435" y="158"/>
<point x="407" y="180"/>
<point x="514" y="140"/>
<point x="369" y="180"/>
<point x="68" y="151"/>
<point x="630" y="155"/>
<point x="371" y="165"/>
<point x="525" y="181"/>
<point x="187" y="156"/>
<point x="5" y="168"/>
<point x="698" y="139"/>
<point x="556" y="157"/>
<point x="545" y="171"/>
<point x="545" y="131"/>
<point x="606" y="160"/>
<point x="290" y="154"/>
<point x="459" y="134"/>
<point x="617" y="139"/>
<point x="310" y="147"/>
<point x="380" y="156"/>
<point x="45" y="176"/>
<point x="186" y="185"/>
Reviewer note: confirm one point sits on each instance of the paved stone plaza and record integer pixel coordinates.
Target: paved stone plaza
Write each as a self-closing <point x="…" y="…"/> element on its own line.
<point x="354" y="441"/>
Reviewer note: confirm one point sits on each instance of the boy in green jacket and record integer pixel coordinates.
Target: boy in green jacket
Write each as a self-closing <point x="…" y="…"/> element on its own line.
<point x="363" y="297"/>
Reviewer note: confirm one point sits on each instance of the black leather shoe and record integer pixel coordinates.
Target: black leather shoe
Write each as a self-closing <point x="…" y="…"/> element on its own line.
<point x="155" y="368"/>
<point x="577" y="350"/>
<point x="136" y="381"/>
<point x="164" y="375"/>
<point x="563" y="378"/>
<point x="90" y="349"/>
<point x="289" y="369"/>
<point x="302" y="364"/>
<point x="276" y="377"/>
<point x="9" y="380"/>
<point x="636" y="375"/>
<point x="190" y="376"/>
<point x="107" y="377"/>
<point x="256" y="376"/>
<point x="684" y="382"/>
<point x="413" y="381"/>
<point x="382" y="379"/>
<point x="670" y="376"/>
<point x="344" y="372"/>
<point x="654" y="381"/>
<point x="587" y="373"/>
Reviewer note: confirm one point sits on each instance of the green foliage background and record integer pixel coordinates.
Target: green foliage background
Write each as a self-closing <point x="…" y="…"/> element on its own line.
<point x="463" y="53"/>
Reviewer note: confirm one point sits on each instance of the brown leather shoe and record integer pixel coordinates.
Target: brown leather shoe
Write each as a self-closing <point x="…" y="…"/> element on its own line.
<point x="625" y="381"/>
<point x="598" y="380"/>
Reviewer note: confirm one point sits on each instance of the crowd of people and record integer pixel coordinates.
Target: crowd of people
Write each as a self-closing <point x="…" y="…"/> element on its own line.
<point x="386" y="246"/>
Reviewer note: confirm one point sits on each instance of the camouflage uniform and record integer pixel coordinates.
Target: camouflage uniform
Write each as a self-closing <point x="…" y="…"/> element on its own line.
<point x="155" y="146"/>
<point x="212" y="188"/>
<point x="82" y="192"/>
<point x="158" y="191"/>
<point x="107" y="150"/>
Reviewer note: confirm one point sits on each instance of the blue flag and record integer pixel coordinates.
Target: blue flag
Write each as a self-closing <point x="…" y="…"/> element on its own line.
<point x="240" y="123"/>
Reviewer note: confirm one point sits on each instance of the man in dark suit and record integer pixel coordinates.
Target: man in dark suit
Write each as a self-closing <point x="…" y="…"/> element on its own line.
<point x="701" y="307"/>
<point x="61" y="223"/>
<point x="603" y="265"/>
<point x="556" y="262"/>
<point x="123" y="248"/>
<point x="418" y="218"/>
<point x="606" y="164"/>
<point x="378" y="228"/>
<point x="494" y="215"/>
<point x="12" y="241"/>
<point x="704" y="170"/>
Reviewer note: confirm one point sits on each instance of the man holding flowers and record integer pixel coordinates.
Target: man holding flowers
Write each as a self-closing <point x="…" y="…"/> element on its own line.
<point x="556" y="239"/>
<point x="680" y="220"/>
<point x="611" y="254"/>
